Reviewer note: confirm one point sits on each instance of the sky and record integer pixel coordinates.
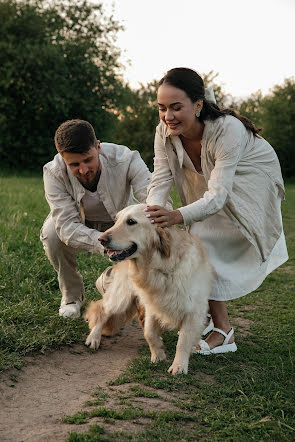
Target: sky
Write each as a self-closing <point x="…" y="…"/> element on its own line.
<point x="251" y="44"/>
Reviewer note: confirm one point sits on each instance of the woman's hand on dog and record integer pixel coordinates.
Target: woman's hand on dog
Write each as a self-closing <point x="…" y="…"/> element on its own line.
<point x="163" y="217"/>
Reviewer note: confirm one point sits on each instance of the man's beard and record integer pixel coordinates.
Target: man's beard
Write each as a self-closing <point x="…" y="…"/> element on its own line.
<point x="91" y="184"/>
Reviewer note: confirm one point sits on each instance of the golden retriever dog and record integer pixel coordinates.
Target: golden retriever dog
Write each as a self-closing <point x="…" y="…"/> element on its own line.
<point x="119" y="305"/>
<point x="169" y="271"/>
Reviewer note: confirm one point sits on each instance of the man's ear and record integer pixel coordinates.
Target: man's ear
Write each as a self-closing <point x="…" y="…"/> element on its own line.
<point x="98" y="146"/>
<point x="163" y="243"/>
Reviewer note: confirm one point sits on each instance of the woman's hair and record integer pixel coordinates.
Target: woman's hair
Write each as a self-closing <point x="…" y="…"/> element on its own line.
<point x="192" y="84"/>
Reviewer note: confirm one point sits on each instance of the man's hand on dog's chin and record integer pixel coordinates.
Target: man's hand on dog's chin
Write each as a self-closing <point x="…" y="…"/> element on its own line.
<point x="163" y="217"/>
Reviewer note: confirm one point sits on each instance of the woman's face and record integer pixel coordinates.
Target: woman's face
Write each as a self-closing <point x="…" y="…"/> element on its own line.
<point x="177" y="110"/>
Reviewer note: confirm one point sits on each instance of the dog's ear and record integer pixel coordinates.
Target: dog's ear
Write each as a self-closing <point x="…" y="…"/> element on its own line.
<point x="163" y="242"/>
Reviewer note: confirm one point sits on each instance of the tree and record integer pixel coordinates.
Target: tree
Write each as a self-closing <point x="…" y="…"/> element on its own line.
<point x="57" y="62"/>
<point x="222" y="99"/>
<point x="252" y="108"/>
<point x="275" y="114"/>
<point x="278" y="121"/>
<point x="137" y="122"/>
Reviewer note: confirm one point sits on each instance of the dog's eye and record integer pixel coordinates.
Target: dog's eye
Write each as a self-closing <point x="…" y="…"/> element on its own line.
<point x="131" y="221"/>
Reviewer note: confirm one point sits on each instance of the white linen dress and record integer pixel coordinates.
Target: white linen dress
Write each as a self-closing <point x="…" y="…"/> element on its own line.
<point x="238" y="267"/>
<point x="235" y="207"/>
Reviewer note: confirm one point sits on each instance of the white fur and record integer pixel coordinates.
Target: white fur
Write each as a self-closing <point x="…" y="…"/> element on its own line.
<point x="172" y="277"/>
<point x="119" y="304"/>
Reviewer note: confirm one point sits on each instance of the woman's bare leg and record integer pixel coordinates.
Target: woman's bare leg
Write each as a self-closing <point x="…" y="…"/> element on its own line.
<point x="218" y="311"/>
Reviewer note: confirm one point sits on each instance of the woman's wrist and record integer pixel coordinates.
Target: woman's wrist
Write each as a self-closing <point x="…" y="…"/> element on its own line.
<point x="178" y="219"/>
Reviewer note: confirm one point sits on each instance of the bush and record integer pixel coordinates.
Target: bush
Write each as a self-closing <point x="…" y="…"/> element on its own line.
<point x="57" y="63"/>
<point x="275" y="114"/>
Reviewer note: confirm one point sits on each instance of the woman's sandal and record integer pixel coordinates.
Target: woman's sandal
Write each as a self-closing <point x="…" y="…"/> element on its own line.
<point x="209" y="327"/>
<point x="224" y="348"/>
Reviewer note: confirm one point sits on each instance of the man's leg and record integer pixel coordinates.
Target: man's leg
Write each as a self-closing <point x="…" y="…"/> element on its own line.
<point x="63" y="259"/>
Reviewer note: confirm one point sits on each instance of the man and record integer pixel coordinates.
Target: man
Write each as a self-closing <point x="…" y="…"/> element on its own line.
<point x="86" y="184"/>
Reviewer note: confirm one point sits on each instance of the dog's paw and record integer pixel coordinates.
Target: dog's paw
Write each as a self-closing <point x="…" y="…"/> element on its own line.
<point x="92" y="342"/>
<point x="178" y="368"/>
<point x="158" y="357"/>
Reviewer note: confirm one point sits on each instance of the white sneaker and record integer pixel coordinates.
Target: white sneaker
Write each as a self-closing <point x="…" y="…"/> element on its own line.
<point x="71" y="310"/>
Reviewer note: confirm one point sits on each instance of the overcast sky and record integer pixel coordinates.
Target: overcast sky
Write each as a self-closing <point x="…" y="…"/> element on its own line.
<point x="250" y="43"/>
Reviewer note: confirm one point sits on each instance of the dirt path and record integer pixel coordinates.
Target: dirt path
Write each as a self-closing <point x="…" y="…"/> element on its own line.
<point x="57" y="384"/>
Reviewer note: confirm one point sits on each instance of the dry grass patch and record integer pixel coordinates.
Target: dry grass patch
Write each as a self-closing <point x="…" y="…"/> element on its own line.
<point x="286" y="269"/>
<point x="242" y="325"/>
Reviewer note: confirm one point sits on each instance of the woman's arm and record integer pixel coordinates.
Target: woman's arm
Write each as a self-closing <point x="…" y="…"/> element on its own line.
<point x="227" y="152"/>
<point x="162" y="178"/>
<point x="163" y="217"/>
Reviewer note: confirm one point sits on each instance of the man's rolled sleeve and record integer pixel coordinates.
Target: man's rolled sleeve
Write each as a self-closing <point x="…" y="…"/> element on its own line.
<point x="66" y="217"/>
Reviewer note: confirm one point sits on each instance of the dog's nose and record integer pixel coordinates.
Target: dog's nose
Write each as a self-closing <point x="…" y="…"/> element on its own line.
<point x="104" y="239"/>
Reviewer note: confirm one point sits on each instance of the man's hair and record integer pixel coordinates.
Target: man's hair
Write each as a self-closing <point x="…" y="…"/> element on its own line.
<point x="75" y="136"/>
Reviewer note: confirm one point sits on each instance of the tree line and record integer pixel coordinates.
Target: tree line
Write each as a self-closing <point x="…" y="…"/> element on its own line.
<point x="60" y="61"/>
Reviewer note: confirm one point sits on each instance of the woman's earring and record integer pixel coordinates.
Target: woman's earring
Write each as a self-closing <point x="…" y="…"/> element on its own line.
<point x="198" y="114"/>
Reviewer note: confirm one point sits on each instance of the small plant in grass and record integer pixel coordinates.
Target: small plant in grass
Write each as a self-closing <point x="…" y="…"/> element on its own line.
<point x="141" y="392"/>
<point x="95" y="432"/>
<point x="100" y="398"/>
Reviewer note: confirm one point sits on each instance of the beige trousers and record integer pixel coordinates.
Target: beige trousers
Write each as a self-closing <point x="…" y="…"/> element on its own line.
<point x="63" y="259"/>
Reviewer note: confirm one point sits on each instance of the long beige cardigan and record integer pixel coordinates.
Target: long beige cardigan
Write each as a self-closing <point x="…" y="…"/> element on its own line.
<point x="243" y="177"/>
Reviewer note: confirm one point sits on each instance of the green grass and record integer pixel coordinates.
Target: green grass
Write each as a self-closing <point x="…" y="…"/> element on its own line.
<point x="29" y="292"/>
<point x="248" y="395"/>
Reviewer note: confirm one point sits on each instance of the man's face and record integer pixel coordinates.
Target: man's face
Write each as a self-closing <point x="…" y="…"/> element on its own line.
<point x="85" y="167"/>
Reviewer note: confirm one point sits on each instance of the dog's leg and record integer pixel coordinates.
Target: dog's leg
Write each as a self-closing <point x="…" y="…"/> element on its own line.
<point x="189" y="333"/>
<point x="113" y="325"/>
<point x="140" y="313"/>
<point x="94" y="337"/>
<point x="118" y="320"/>
<point x="152" y="334"/>
<point x="97" y="318"/>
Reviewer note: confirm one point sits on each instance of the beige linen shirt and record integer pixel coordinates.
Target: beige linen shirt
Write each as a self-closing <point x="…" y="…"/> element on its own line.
<point x="124" y="174"/>
<point x="242" y="174"/>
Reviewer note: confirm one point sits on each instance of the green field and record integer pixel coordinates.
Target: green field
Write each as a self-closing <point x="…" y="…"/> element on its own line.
<point x="249" y="394"/>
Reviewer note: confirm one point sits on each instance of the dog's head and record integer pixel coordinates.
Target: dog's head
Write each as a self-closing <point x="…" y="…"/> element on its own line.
<point x="134" y="235"/>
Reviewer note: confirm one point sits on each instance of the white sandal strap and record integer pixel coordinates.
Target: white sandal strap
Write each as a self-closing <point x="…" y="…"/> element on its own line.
<point x="203" y="345"/>
<point x="226" y="336"/>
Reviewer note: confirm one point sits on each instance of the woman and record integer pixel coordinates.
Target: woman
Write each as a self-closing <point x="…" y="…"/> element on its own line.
<point x="230" y="184"/>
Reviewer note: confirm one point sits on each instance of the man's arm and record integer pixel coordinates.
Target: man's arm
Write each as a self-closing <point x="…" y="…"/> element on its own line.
<point x="66" y="216"/>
